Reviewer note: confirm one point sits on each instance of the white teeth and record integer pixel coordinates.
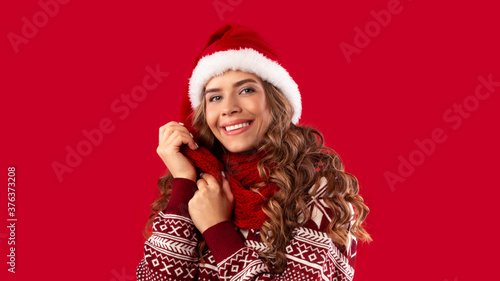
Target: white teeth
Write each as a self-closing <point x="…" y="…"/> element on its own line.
<point x="234" y="127"/>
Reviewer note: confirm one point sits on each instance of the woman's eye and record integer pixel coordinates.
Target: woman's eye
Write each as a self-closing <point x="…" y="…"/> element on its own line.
<point x="214" y="98"/>
<point x="248" y="90"/>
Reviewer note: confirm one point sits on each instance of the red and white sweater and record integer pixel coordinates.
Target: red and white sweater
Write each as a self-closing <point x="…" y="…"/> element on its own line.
<point x="170" y="253"/>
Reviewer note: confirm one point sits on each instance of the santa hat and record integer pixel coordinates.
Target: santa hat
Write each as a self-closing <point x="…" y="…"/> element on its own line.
<point x="235" y="47"/>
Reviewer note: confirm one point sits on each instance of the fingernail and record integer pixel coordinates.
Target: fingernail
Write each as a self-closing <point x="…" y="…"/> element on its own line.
<point x="223" y="174"/>
<point x="191" y="135"/>
<point x="181" y="123"/>
<point x="201" y="174"/>
<point x="196" y="145"/>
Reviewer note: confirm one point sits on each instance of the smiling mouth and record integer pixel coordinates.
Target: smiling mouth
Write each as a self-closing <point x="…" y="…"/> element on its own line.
<point x="237" y="126"/>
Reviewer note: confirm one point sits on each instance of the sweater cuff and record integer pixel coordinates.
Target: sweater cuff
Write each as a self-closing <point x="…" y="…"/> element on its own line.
<point x="182" y="191"/>
<point x="223" y="240"/>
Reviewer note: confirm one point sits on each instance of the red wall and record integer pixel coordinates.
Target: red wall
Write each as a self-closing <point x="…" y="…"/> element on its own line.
<point x="403" y="100"/>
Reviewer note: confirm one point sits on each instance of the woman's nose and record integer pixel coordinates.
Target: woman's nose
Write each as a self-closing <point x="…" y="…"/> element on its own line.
<point x="231" y="106"/>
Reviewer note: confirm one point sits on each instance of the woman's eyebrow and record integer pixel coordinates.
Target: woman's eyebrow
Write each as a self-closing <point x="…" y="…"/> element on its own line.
<point x="237" y="84"/>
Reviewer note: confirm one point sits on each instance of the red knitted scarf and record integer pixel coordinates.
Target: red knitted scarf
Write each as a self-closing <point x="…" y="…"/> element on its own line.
<point x="241" y="173"/>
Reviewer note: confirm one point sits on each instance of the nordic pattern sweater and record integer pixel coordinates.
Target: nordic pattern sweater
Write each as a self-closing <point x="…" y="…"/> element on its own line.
<point x="170" y="253"/>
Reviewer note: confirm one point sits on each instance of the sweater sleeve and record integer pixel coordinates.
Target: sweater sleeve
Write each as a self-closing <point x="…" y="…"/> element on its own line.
<point x="170" y="252"/>
<point x="235" y="260"/>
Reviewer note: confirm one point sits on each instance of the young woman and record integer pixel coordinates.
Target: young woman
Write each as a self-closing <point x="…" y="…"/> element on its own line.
<point x="250" y="194"/>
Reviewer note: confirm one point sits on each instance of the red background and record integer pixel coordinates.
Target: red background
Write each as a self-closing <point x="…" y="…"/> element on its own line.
<point x="438" y="224"/>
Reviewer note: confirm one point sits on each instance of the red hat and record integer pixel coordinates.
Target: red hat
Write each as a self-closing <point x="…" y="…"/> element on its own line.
<point x="235" y="47"/>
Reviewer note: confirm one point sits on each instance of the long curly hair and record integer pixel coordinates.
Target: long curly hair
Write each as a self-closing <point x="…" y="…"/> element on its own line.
<point x="300" y="160"/>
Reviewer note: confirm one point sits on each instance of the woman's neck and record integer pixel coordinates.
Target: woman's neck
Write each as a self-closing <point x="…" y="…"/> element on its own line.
<point x="250" y="151"/>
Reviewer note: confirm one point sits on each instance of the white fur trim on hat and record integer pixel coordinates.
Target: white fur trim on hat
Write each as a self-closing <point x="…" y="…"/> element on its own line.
<point x="247" y="60"/>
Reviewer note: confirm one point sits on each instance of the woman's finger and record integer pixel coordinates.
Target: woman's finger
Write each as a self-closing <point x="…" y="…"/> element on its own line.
<point x="170" y="127"/>
<point x="180" y="138"/>
<point x="227" y="189"/>
<point x="172" y="144"/>
<point x="201" y="184"/>
<point x="164" y="130"/>
<point x="211" y="181"/>
<point x="171" y="133"/>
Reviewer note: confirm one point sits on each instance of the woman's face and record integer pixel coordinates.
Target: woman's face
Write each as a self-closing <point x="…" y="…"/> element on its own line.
<point x="237" y="110"/>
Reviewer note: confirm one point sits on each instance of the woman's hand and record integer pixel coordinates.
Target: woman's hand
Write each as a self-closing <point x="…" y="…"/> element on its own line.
<point x="171" y="137"/>
<point x="211" y="204"/>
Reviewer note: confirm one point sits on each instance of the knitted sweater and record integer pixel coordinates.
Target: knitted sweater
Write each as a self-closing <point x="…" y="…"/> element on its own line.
<point x="170" y="253"/>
